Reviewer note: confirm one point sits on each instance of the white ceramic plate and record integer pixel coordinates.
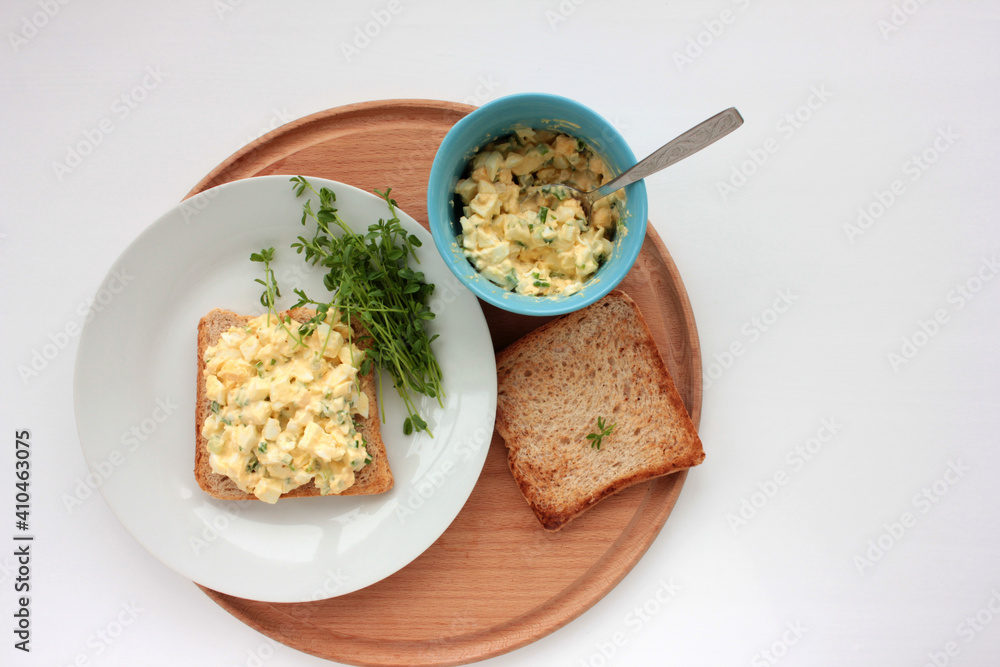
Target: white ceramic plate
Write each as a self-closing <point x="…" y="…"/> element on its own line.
<point x="135" y="394"/>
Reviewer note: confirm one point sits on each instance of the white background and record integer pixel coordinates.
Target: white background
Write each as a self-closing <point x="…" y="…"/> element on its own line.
<point x="816" y="568"/>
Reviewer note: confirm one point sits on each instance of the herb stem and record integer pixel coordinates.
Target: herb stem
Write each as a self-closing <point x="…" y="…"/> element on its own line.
<point x="370" y="278"/>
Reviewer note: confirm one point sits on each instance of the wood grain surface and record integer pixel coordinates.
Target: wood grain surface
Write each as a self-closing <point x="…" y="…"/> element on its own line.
<point x="495" y="580"/>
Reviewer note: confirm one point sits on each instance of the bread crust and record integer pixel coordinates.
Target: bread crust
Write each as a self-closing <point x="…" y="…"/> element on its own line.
<point x="553" y="384"/>
<point x="375" y="477"/>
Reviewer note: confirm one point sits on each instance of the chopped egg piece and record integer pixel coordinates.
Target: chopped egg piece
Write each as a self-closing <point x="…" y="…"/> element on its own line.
<point x="283" y="407"/>
<point x="529" y="238"/>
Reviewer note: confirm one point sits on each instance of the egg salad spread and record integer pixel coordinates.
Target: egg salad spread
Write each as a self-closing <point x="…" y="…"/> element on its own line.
<point x="528" y="237"/>
<point x="283" y="406"/>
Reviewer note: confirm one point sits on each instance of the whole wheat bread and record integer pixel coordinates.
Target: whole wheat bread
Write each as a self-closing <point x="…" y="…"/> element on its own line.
<point x="556" y="381"/>
<point x="375" y="477"/>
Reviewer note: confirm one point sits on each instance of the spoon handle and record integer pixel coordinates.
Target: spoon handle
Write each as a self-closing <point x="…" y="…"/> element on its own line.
<point x="689" y="143"/>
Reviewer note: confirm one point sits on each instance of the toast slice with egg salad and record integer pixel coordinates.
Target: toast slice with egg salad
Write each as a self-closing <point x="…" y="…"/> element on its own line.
<point x="587" y="408"/>
<point x="280" y="414"/>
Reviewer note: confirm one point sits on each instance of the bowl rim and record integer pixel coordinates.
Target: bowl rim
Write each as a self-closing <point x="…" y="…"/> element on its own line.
<point x="450" y="152"/>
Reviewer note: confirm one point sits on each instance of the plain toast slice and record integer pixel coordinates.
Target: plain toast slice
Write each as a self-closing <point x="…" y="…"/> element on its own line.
<point x="376" y="477"/>
<point x="553" y="384"/>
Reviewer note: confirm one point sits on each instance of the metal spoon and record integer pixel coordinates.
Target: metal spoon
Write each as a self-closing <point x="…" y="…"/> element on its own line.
<point x="689" y="143"/>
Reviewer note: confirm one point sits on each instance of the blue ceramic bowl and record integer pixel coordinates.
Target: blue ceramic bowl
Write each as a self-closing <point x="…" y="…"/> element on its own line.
<point x="497" y="119"/>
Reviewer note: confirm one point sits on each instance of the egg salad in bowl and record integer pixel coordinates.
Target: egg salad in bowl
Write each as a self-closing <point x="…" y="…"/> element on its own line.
<point x="524" y="232"/>
<point x="283" y="402"/>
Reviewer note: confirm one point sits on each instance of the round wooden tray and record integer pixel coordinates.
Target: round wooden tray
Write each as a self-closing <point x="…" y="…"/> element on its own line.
<point x="494" y="581"/>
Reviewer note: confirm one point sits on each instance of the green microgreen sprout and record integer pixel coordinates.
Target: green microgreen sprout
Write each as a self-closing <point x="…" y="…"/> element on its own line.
<point x="271" y="292"/>
<point x="371" y="280"/>
<point x="602" y="431"/>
